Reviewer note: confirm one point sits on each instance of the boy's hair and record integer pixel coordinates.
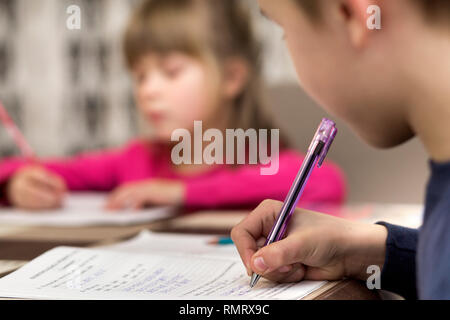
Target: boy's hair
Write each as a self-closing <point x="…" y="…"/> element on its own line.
<point x="432" y="8"/>
<point x="435" y="9"/>
<point x="217" y="29"/>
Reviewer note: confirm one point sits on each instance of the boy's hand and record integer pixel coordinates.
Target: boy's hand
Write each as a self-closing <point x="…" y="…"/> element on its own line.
<point x="317" y="246"/>
<point x="136" y="195"/>
<point x="35" y="188"/>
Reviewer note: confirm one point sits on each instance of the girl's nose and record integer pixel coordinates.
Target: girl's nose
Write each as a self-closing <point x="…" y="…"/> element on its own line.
<point x="152" y="87"/>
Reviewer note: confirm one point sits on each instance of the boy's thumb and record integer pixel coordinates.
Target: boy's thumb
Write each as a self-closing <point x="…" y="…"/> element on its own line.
<point x="276" y="255"/>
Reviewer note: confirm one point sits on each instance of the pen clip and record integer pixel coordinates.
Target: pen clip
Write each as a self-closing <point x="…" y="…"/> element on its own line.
<point x="326" y="133"/>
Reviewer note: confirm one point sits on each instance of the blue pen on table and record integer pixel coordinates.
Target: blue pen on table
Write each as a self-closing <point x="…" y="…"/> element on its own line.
<point x="221" y="241"/>
<point x="317" y="151"/>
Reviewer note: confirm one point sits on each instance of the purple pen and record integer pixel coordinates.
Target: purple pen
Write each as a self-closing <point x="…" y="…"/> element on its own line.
<point x="317" y="151"/>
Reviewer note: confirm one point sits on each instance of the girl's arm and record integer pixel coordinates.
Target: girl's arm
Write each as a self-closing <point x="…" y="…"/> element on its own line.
<point x="93" y="171"/>
<point x="245" y="186"/>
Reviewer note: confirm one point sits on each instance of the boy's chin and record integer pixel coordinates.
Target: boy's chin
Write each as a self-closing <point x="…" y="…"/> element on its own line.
<point x="381" y="140"/>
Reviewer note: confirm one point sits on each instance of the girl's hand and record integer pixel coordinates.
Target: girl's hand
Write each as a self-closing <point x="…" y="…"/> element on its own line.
<point x="136" y="195"/>
<point x="35" y="188"/>
<point x="317" y="246"/>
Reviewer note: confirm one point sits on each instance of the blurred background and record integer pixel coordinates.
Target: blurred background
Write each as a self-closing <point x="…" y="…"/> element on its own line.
<point x="68" y="90"/>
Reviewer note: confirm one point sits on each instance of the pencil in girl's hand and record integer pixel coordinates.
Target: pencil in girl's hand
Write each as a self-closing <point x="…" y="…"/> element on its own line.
<point x="16" y="135"/>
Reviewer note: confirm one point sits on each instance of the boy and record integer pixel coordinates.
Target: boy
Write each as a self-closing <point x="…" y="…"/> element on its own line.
<point x="389" y="85"/>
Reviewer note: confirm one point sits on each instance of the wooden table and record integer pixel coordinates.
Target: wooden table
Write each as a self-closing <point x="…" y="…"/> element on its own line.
<point x="25" y="243"/>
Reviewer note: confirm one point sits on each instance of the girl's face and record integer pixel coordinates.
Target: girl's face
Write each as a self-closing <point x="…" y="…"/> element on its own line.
<point x="174" y="90"/>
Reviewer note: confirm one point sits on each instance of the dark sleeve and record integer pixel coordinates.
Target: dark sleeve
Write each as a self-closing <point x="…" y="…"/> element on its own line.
<point x="399" y="271"/>
<point x="3" y="200"/>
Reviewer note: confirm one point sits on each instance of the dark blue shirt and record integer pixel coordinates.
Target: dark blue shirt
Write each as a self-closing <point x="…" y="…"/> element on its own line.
<point x="417" y="262"/>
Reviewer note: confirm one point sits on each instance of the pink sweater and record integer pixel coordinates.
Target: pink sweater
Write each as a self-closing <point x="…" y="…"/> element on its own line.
<point x="222" y="186"/>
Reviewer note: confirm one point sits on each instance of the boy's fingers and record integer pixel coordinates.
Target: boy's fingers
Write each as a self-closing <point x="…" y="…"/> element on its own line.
<point x="289" y="273"/>
<point x="260" y="221"/>
<point x="245" y="244"/>
<point x="261" y="241"/>
<point x="285" y="252"/>
<point x="252" y="228"/>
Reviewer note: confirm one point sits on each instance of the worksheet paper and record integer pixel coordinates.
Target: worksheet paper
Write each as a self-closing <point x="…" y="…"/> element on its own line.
<point x="150" y="266"/>
<point x="81" y="210"/>
<point x="175" y="244"/>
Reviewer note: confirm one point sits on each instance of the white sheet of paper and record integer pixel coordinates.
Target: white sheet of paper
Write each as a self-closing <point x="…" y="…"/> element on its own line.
<point x="175" y="244"/>
<point x="191" y="270"/>
<point x="82" y="210"/>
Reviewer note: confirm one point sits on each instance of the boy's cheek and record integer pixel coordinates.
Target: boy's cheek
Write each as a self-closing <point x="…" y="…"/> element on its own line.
<point x="320" y="81"/>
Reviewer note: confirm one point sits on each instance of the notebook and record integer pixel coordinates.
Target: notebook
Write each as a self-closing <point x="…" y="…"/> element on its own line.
<point x="149" y="266"/>
<point x="81" y="210"/>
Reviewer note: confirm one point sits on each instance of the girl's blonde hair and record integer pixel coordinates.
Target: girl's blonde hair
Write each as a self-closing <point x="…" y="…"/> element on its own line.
<point x="220" y="29"/>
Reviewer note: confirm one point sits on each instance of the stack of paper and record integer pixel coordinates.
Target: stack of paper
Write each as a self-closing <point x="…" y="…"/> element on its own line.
<point x="82" y="210"/>
<point x="151" y="266"/>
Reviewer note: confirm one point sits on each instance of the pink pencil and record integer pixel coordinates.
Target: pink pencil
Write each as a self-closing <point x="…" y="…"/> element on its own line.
<point x="15" y="133"/>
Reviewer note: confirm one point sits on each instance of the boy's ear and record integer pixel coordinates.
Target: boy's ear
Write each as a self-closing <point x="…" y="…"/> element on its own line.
<point x="354" y="13"/>
<point x="236" y="74"/>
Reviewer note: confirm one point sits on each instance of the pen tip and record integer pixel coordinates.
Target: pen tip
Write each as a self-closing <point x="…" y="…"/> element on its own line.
<point x="254" y="280"/>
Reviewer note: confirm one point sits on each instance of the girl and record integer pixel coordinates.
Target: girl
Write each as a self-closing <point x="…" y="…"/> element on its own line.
<point x="388" y="85"/>
<point x="190" y="60"/>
